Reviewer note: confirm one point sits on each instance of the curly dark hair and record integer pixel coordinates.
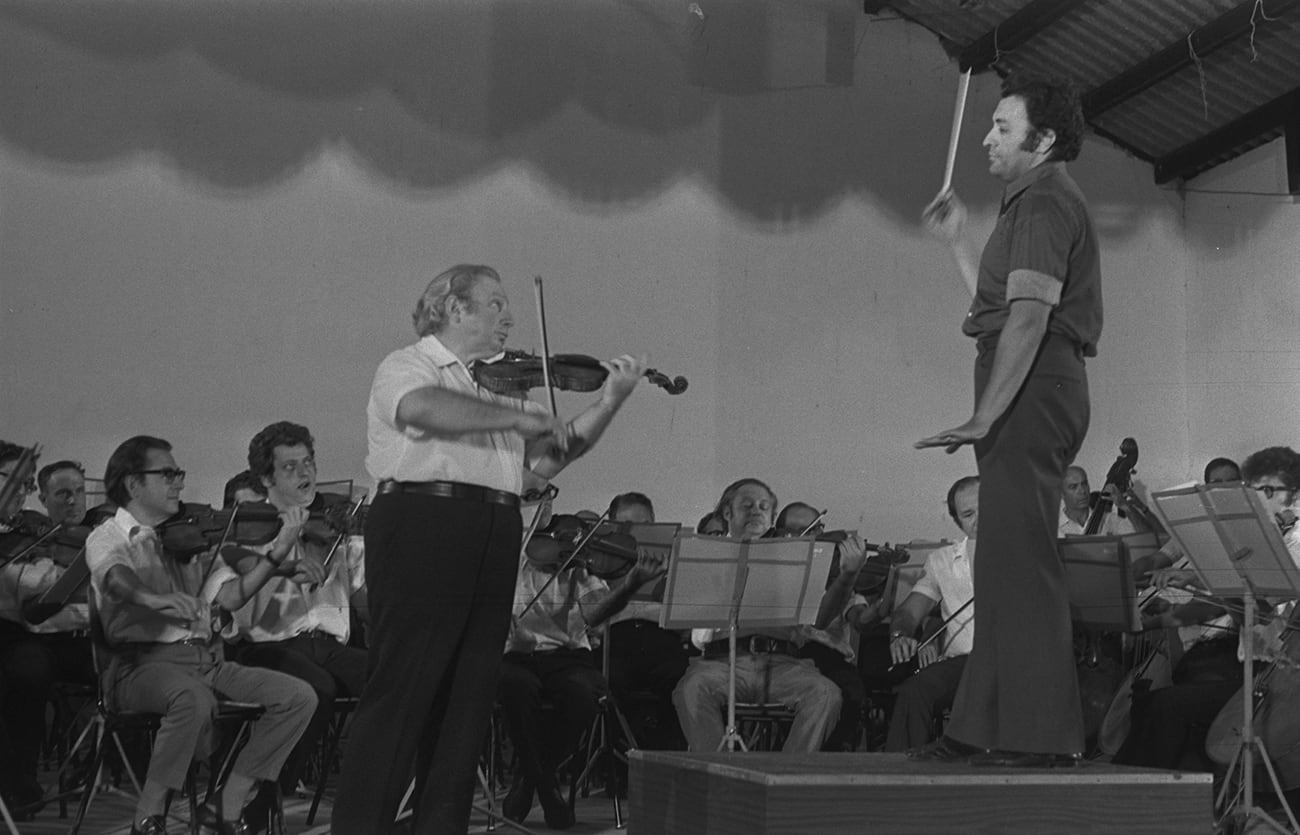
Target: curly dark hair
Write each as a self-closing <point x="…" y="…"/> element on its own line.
<point x="261" y="450"/>
<point x="1051" y="104"/>
<point x="131" y="456"/>
<point x="1280" y="461"/>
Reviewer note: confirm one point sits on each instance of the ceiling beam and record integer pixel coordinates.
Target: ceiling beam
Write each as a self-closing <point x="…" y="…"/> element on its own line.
<point x="1194" y="157"/>
<point x="1026" y="22"/>
<point x="1228" y="27"/>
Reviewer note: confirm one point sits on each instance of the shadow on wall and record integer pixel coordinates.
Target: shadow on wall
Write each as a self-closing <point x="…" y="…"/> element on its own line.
<point x="778" y="105"/>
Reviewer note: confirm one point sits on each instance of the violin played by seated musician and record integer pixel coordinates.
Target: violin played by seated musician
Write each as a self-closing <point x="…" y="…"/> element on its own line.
<point x="548" y="657"/>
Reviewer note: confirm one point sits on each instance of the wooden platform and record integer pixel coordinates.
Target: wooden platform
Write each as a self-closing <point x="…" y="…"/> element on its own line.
<point x="675" y="793"/>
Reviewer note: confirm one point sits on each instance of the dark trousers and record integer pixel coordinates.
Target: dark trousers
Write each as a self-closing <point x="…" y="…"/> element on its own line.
<point x="1019" y="691"/>
<point x="441" y="579"/>
<point x="1169" y="725"/>
<point x="645" y="658"/>
<point x="331" y="668"/>
<point x="919" y="700"/>
<point x="567" y="679"/>
<point x="832" y="664"/>
<point x="31" y="664"/>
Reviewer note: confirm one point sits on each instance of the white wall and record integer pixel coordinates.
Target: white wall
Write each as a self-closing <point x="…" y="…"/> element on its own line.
<point x="208" y="224"/>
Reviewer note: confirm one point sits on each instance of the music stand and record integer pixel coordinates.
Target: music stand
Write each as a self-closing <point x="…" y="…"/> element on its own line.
<point x="1235" y="547"/>
<point x="715" y="582"/>
<point x="1099" y="580"/>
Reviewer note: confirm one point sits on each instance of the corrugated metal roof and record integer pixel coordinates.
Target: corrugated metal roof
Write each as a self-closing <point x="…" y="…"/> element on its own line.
<point x="1214" y="99"/>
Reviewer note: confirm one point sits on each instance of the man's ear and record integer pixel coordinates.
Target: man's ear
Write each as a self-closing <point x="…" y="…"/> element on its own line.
<point x="1046" y="141"/>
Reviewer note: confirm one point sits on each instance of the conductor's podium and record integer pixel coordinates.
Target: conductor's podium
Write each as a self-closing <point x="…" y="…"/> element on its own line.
<point x="761" y="793"/>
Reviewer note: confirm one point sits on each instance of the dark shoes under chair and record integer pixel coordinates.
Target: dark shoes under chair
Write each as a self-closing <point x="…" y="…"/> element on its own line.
<point x="519" y="802"/>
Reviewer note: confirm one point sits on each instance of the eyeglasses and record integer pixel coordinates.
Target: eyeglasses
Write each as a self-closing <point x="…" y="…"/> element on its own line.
<point x="1269" y="489"/>
<point x="29" y="485"/>
<point x="171" y="475"/>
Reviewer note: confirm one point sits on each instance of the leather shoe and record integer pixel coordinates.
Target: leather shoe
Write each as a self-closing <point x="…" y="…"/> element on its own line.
<point x="555" y="807"/>
<point x="210" y="820"/>
<point x="1026" y="759"/>
<point x="519" y="800"/>
<point x="152" y="825"/>
<point x="944" y="749"/>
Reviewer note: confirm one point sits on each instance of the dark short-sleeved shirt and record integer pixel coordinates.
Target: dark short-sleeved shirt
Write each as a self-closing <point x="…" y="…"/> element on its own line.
<point x="1043" y="226"/>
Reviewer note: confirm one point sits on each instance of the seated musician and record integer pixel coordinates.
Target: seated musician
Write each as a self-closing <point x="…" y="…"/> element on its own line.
<point x="642" y="655"/>
<point x="1217" y="471"/>
<point x="299" y="622"/>
<point x="158" y="614"/>
<point x="47" y="640"/>
<point x="711" y="524"/>
<point x="767" y="666"/>
<point x="1076" y="505"/>
<point x="831" y="648"/>
<point x="243" y="488"/>
<point x="548" y="657"/>
<point x="947" y="582"/>
<point x="1169" y="724"/>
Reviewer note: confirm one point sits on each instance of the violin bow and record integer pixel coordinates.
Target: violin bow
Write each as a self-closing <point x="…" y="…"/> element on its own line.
<point x="941" y="628"/>
<point x="815" y="522"/>
<point x="16" y="557"/>
<point x="338" y="539"/>
<point x="546" y="347"/>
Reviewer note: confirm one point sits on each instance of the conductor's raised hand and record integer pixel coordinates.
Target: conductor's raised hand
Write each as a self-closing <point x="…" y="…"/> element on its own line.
<point x="953" y="439"/>
<point x="945" y="216"/>
<point x="624" y="374"/>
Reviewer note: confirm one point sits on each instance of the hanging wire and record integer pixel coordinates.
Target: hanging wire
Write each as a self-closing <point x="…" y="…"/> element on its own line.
<point x="1200" y="73"/>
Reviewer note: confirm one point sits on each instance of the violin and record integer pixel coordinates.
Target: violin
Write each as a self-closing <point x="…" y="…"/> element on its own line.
<point x="196" y="528"/>
<point x="518" y="371"/>
<point x="33" y="535"/>
<point x="606" y="554"/>
<point x="881" y="561"/>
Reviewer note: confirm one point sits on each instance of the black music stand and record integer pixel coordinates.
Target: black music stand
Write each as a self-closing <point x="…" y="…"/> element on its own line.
<point x="1099" y="579"/>
<point x="1235" y="547"/>
<point x="715" y="582"/>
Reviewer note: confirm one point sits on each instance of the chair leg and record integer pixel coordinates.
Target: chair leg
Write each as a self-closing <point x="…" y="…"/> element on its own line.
<point x="331" y="748"/>
<point x="92" y="780"/>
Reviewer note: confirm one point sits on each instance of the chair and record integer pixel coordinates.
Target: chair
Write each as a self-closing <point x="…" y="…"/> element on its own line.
<point x="110" y="723"/>
<point x="344" y="706"/>
<point x="600" y="748"/>
<point x="763" y="726"/>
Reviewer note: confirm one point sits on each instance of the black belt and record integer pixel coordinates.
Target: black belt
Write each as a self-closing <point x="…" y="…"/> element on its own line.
<point x="753" y="645"/>
<point x="450" y="490"/>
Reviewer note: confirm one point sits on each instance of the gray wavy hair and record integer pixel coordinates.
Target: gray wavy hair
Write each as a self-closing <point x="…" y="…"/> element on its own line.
<point x="430" y="314"/>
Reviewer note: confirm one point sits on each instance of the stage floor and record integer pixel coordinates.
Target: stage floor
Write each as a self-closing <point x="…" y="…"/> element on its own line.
<point x="796" y="794"/>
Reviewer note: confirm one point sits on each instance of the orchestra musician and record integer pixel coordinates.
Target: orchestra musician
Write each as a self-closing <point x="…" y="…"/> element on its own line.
<point x="442" y="546"/>
<point x="1036" y="315"/>
<point x="299" y="621"/>
<point x="1076" y="507"/>
<point x="158" y="615"/>
<point x="768" y="668"/>
<point x="831" y="647"/>
<point x="643" y="656"/>
<point x="40" y="649"/>
<point x="548" y="658"/>
<point x="1169" y="725"/>
<point x="947" y="582"/>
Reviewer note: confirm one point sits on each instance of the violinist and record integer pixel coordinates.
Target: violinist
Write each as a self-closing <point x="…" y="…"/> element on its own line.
<point x="50" y="647"/>
<point x="299" y="622"/>
<point x="643" y="656"/>
<point x="831" y="647"/>
<point x="711" y="524"/>
<point x="157" y="615"/>
<point x="1169" y="726"/>
<point x="767" y="666"/>
<point x="243" y="488"/>
<point x="548" y="657"/>
<point x="947" y="582"/>
<point x="443" y="536"/>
